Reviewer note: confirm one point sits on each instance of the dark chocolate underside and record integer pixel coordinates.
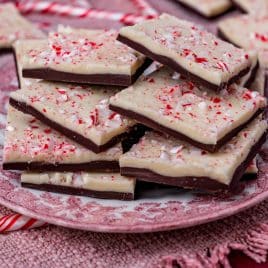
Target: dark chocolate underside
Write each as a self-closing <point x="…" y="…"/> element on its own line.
<point x="79" y="191"/>
<point x="201" y="183"/>
<point x="103" y="166"/>
<point x="87" y="143"/>
<point x="155" y="125"/>
<point x="98" y="79"/>
<point x="175" y="66"/>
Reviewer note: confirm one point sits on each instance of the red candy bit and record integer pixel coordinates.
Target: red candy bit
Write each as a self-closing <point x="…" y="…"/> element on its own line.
<point x="261" y="37"/>
<point x="61" y="91"/>
<point x="216" y="43"/>
<point x="168" y="107"/>
<point x="57" y="49"/>
<point x="203" y="152"/>
<point x="247" y="96"/>
<point x="111" y="117"/>
<point x="45" y="147"/>
<point x="44" y="110"/>
<point x="218" y="112"/>
<point x="94" y="116"/>
<point x="47" y="130"/>
<point x="186" y="105"/>
<point x="245" y="134"/>
<point x="216" y="100"/>
<point x="176" y="34"/>
<point x="80" y="121"/>
<point x="150" y="80"/>
<point x="246" y="56"/>
<point x="199" y="59"/>
<point x="186" y="52"/>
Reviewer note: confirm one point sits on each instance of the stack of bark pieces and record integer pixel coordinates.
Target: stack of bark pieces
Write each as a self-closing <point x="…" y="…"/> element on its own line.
<point x="207" y="128"/>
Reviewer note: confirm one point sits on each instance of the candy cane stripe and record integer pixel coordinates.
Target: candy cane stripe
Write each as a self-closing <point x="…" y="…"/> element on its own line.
<point x="11" y="223"/>
<point x="28" y="224"/>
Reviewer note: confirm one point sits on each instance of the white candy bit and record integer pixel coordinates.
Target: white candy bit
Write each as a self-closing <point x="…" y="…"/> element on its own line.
<point x="64" y="97"/>
<point x="10" y="128"/>
<point x="175" y="76"/>
<point x="61" y="111"/>
<point x="164" y="156"/>
<point x="254" y="94"/>
<point x="202" y="105"/>
<point x="176" y="149"/>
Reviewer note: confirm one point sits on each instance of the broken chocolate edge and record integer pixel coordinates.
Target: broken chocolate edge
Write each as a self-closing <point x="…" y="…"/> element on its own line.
<point x="178" y="68"/>
<point x="201" y="183"/>
<point x="98" y="165"/>
<point x="79" y="191"/>
<point x="208" y="147"/>
<point x="87" y="143"/>
<point x="96" y="79"/>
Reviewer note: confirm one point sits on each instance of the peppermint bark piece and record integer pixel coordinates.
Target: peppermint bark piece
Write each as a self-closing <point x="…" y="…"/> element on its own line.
<point x="83" y="56"/>
<point x="19" y="49"/>
<point x="253" y="7"/>
<point x="189" y="50"/>
<point x="97" y="185"/>
<point x="172" y="105"/>
<point x="13" y="26"/>
<point x="31" y="145"/>
<point x="248" y="32"/>
<point x="79" y="112"/>
<point x="207" y="8"/>
<point x="259" y="83"/>
<point x="161" y="159"/>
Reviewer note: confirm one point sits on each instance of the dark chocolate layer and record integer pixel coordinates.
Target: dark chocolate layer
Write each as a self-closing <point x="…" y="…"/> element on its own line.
<point x="239" y="6"/>
<point x="79" y="191"/>
<point x="103" y="166"/>
<point x="155" y="125"/>
<point x="177" y="67"/>
<point x="201" y="183"/>
<point x="98" y="79"/>
<point x="87" y="143"/>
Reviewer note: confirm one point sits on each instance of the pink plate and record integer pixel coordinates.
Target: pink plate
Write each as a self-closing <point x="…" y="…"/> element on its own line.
<point x="154" y="209"/>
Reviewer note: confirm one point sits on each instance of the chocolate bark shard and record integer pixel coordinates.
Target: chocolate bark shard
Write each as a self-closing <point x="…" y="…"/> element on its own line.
<point x="14" y="27"/>
<point x="208" y="9"/>
<point x="248" y="32"/>
<point x="83" y="56"/>
<point x="179" y="108"/>
<point x="79" y="112"/>
<point x="157" y="158"/>
<point x="256" y="8"/>
<point x="98" y="185"/>
<point x="31" y="145"/>
<point x="188" y="49"/>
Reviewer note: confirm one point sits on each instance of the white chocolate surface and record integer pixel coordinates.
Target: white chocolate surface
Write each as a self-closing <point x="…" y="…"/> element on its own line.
<point x="193" y="48"/>
<point x="28" y="140"/>
<point x="208" y="8"/>
<point x="202" y="115"/>
<point x="13" y="26"/>
<point x="249" y="33"/>
<point x="81" y="51"/>
<point x="82" y="109"/>
<point x="253" y="7"/>
<point x="102" y="182"/>
<point x="171" y="157"/>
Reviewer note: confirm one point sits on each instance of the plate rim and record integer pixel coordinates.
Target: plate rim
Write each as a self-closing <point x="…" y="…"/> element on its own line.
<point x="136" y="228"/>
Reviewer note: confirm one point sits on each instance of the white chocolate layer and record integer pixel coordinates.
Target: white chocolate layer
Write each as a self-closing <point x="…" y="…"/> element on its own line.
<point x="13" y="26"/>
<point x="253" y="7"/>
<point x="170" y="157"/>
<point x="20" y="46"/>
<point x="83" y="51"/>
<point x="82" y="109"/>
<point x="202" y="115"/>
<point x="196" y="50"/>
<point x="101" y="182"/>
<point x="208" y="8"/>
<point x="28" y="140"/>
<point x="249" y="33"/>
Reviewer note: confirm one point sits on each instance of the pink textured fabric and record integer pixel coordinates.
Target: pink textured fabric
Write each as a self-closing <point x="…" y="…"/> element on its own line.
<point x="204" y="246"/>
